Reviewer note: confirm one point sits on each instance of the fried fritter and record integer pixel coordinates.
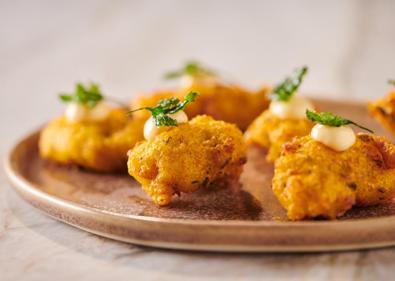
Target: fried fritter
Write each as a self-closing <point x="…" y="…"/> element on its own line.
<point x="202" y="152"/>
<point x="96" y="145"/>
<point x="271" y="132"/>
<point x="383" y="110"/>
<point x="311" y="180"/>
<point x="228" y="103"/>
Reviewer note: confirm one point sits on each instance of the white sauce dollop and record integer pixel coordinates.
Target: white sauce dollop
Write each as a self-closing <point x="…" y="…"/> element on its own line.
<point x="295" y="108"/>
<point x="151" y="130"/>
<point x="338" y="138"/>
<point x="188" y="81"/>
<point x="76" y="112"/>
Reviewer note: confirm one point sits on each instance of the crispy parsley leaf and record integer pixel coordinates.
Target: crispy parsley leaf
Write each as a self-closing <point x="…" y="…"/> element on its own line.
<point x="329" y="119"/>
<point x="391" y="82"/>
<point x="162" y="119"/>
<point x="160" y="113"/>
<point x="191" y="68"/>
<point x="285" y="90"/>
<point x="65" y="97"/>
<point x="87" y="95"/>
<point x="190" y="97"/>
<point x="168" y="104"/>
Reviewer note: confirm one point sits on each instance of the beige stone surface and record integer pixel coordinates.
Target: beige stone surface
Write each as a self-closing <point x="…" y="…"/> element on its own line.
<point x="45" y="46"/>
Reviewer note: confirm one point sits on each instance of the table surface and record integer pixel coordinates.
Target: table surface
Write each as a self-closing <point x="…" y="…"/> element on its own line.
<point x="126" y="46"/>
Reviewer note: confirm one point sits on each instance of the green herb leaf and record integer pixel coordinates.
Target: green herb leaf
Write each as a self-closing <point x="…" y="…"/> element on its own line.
<point x="168" y="104"/>
<point x="161" y="111"/>
<point x="285" y="90"/>
<point x="329" y="119"/>
<point x="190" y="97"/>
<point x="191" y="68"/>
<point x="162" y="119"/>
<point x="65" y="97"/>
<point x="86" y="95"/>
<point x="391" y="82"/>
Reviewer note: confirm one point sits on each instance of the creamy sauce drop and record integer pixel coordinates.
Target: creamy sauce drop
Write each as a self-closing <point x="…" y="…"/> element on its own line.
<point x="338" y="138"/>
<point x="76" y="112"/>
<point x="151" y="130"/>
<point x="295" y="108"/>
<point x="188" y="81"/>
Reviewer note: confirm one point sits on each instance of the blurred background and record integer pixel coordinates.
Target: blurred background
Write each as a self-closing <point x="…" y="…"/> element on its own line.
<point x="126" y="46"/>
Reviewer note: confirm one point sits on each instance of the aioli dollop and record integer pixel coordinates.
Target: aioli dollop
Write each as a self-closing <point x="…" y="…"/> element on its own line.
<point x="77" y="112"/>
<point x="188" y="81"/>
<point x="338" y="138"/>
<point x="151" y="130"/>
<point x="294" y="108"/>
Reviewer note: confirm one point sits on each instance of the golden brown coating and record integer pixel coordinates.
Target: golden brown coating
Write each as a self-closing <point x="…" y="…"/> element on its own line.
<point x="228" y="103"/>
<point x="97" y="145"/>
<point x="312" y="180"/>
<point x="202" y="152"/>
<point x="271" y="132"/>
<point x="383" y="110"/>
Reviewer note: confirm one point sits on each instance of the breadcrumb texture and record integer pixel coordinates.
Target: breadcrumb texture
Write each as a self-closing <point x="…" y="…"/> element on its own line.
<point x="312" y="180"/>
<point x="95" y="145"/>
<point x="197" y="154"/>
<point x="271" y="132"/>
<point x="383" y="110"/>
<point x="228" y="103"/>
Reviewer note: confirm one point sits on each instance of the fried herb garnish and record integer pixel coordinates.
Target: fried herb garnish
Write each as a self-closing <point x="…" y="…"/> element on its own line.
<point x="286" y="89"/>
<point x="160" y="113"/>
<point x="191" y="68"/>
<point x="330" y="119"/>
<point x="391" y="82"/>
<point x="89" y="95"/>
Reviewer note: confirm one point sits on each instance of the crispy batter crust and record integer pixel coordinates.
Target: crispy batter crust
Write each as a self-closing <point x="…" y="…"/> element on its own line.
<point x="383" y="110"/>
<point x="312" y="180"/>
<point x="200" y="153"/>
<point x="271" y="132"/>
<point x="99" y="146"/>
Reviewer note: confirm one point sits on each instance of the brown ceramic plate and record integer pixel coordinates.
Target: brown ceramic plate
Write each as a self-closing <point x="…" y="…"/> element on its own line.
<point x="248" y="220"/>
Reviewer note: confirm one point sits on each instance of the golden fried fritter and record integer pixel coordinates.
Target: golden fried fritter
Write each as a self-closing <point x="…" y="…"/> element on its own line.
<point x="384" y="111"/>
<point x="312" y="180"/>
<point x="228" y="103"/>
<point x="271" y="132"/>
<point x="97" y="145"/>
<point x="202" y="152"/>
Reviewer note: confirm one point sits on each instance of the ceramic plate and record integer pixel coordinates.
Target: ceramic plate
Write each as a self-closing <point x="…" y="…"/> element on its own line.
<point x="247" y="219"/>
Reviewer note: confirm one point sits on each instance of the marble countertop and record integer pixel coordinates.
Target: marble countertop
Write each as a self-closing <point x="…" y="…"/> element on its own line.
<point x="126" y="46"/>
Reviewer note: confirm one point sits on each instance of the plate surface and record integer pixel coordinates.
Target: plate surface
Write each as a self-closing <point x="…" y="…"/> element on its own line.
<point x="244" y="218"/>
